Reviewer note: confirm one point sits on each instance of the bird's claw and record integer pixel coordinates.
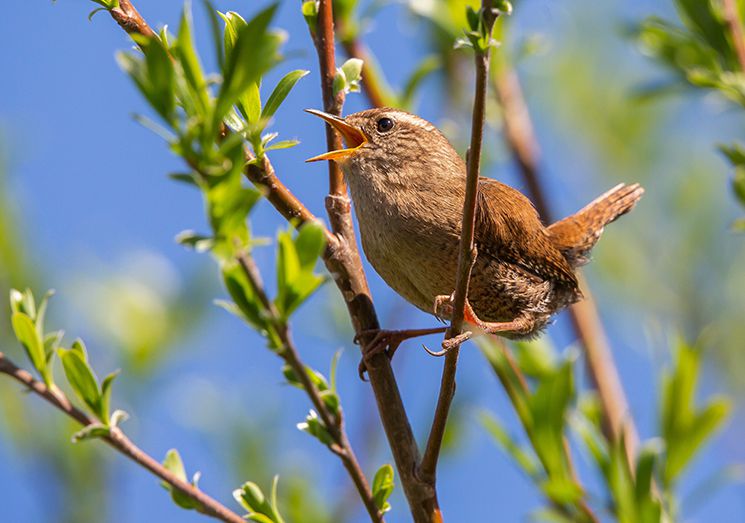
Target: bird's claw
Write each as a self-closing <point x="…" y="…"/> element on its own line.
<point x="450" y="344"/>
<point x="383" y="341"/>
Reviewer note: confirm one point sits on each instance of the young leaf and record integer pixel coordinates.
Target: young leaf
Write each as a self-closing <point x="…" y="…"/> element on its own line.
<point x="92" y="431"/>
<point x="253" y="52"/>
<point x="81" y="377"/>
<point x="281" y="91"/>
<point x="27" y="335"/>
<point x="189" y="60"/>
<point x="104" y="406"/>
<point x="175" y="465"/>
<point x="382" y="487"/>
<point x="259" y="508"/>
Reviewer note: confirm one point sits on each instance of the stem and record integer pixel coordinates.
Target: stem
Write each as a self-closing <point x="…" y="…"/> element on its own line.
<point x="119" y="441"/>
<point x="332" y="103"/>
<point x="345" y="265"/>
<point x="585" y="319"/>
<point x="735" y="26"/>
<point x="130" y="19"/>
<point x="466" y="256"/>
<point x="334" y="424"/>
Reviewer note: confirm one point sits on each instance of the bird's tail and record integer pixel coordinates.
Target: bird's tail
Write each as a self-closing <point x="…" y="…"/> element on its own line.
<point x="575" y="235"/>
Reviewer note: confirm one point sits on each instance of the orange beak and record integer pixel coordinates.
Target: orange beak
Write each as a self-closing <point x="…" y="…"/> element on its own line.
<point x="353" y="137"/>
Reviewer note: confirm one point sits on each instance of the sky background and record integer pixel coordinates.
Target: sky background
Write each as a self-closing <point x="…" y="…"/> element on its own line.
<point x="97" y="215"/>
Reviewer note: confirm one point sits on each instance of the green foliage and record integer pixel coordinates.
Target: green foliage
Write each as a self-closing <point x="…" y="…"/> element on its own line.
<point x="260" y="509"/>
<point x="28" y="326"/>
<point x="684" y="427"/>
<point x="296" y="262"/>
<point x="702" y="53"/>
<point x="175" y="465"/>
<point x="699" y="50"/>
<point x="84" y="383"/>
<point x="348" y="77"/>
<point x="382" y="487"/>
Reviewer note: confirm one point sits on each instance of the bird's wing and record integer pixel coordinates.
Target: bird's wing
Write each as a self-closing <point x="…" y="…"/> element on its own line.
<point x="508" y="229"/>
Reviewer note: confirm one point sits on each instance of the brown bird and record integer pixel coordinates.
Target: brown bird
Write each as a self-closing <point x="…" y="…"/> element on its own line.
<point x="408" y="187"/>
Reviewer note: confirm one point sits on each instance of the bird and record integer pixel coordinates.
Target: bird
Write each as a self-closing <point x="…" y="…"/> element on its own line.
<point x="407" y="184"/>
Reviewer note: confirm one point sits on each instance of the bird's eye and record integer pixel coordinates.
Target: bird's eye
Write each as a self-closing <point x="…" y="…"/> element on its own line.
<point x="385" y="125"/>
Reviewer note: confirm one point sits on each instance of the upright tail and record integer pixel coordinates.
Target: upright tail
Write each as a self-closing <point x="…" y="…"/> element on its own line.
<point x="575" y="235"/>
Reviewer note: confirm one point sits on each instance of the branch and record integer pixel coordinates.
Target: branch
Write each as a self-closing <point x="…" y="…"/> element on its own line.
<point x="345" y="264"/>
<point x="130" y="19"/>
<point x="334" y="424"/>
<point x="466" y="256"/>
<point x="585" y="320"/>
<point x="735" y="26"/>
<point x="119" y="441"/>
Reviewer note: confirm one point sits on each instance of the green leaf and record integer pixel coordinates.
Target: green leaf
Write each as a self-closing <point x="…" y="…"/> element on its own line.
<point x="27" y="335"/>
<point x="315" y="427"/>
<point x="349" y="76"/>
<point x="244" y="296"/>
<point x="282" y="144"/>
<point x="198" y="242"/>
<point x="382" y="487"/>
<point x="81" y="377"/>
<point x="187" y="56"/>
<point x="281" y="91"/>
<point x="154" y="76"/>
<point x="310" y="13"/>
<point x="253" y="52"/>
<point x="103" y="413"/>
<point x="92" y="431"/>
<point x="260" y="509"/>
<point x="175" y="465"/>
<point x="310" y="243"/>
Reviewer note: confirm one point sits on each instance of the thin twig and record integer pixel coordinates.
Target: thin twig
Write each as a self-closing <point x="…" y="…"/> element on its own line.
<point x="466" y="256"/>
<point x="520" y="138"/>
<point x="334" y="424"/>
<point x="119" y="441"/>
<point x="735" y="27"/>
<point x="130" y="19"/>
<point x="344" y="262"/>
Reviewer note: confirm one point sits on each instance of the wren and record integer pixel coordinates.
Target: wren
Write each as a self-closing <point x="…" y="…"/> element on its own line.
<point x="407" y="184"/>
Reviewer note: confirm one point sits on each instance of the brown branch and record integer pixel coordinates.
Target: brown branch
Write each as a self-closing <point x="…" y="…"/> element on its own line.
<point x="335" y="425"/>
<point x="518" y="133"/>
<point x="130" y="19"/>
<point x="735" y="27"/>
<point x="119" y="441"/>
<point x="466" y="256"/>
<point x="344" y="262"/>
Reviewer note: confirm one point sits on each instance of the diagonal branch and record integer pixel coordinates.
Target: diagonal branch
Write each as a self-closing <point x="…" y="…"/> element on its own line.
<point x="467" y="252"/>
<point x="334" y="424"/>
<point x="119" y="441"/>
<point x="345" y="265"/>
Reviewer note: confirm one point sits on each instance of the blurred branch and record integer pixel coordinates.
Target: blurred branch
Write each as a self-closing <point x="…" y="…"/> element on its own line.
<point x="346" y="267"/>
<point x="518" y="133"/>
<point x="735" y="26"/>
<point x="119" y="441"/>
<point x="334" y="424"/>
<point x="466" y="251"/>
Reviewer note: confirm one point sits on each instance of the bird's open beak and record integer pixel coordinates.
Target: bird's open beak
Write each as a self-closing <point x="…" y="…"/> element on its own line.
<point x="353" y="137"/>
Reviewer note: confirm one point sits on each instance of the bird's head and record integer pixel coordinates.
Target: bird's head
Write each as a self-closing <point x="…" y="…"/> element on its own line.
<point x="385" y="141"/>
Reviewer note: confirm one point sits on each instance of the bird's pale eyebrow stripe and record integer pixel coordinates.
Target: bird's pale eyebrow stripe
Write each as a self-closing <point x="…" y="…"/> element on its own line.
<point x="414" y="120"/>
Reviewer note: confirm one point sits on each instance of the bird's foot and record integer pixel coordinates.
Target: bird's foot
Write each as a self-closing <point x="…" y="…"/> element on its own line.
<point x="375" y="341"/>
<point x="443" y="307"/>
